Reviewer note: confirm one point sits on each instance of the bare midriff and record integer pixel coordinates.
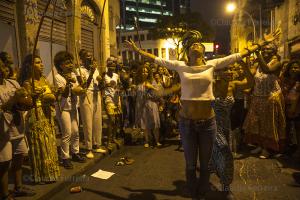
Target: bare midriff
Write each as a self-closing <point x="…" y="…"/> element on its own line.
<point x="196" y="110"/>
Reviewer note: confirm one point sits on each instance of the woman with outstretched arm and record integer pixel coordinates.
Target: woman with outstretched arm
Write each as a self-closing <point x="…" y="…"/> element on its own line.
<point x="197" y="122"/>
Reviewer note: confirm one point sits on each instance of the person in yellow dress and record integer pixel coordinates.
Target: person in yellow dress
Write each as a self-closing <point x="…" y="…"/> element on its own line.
<point x="40" y="123"/>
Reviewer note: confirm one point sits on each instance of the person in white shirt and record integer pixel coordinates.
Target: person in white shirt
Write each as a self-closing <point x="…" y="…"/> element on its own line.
<point x="13" y="146"/>
<point x="197" y="122"/>
<point x="90" y="105"/>
<point x="112" y="100"/>
<point x="67" y="107"/>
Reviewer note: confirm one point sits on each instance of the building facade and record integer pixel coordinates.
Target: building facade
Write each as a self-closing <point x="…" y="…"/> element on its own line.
<point x="287" y="15"/>
<point x="77" y="24"/>
<point x="147" y="12"/>
<point x="274" y="13"/>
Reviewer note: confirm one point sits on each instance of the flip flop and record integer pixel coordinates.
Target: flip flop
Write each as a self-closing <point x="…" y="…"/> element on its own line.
<point x="127" y="161"/>
<point x="120" y="163"/>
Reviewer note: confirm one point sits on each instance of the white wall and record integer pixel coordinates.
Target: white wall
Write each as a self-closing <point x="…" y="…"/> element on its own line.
<point x="44" y="48"/>
<point x="8" y="41"/>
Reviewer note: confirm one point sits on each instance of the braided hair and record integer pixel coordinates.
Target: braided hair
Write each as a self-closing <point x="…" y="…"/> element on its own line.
<point x="190" y="38"/>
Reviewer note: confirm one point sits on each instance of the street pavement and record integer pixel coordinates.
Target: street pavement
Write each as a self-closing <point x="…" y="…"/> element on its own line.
<point x="158" y="174"/>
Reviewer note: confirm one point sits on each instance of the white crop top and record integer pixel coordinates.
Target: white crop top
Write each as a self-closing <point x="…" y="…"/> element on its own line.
<point x="196" y="81"/>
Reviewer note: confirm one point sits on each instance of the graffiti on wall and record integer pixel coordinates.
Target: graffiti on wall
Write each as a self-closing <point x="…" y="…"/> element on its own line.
<point x="31" y="21"/>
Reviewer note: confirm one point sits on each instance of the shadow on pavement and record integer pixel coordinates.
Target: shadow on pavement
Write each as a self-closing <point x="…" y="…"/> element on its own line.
<point x="133" y="196"/>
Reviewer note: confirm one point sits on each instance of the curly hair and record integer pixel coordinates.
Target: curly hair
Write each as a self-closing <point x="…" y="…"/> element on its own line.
<point x="286" y="73"/>
<point x="83" y="54"/>
<point x="60" y="58"/>
<point x="25" y="72"/>
<point x="140" y="72"/>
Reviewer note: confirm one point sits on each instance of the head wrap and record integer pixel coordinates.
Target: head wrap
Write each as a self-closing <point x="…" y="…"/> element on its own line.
<point x="190" y="38"/>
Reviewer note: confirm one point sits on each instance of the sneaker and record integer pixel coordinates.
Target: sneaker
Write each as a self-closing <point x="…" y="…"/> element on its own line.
<point x="127" y="161"/>
<point x="256" y="151"/>
<point x="76" y="157"/>
<point x="146" y="145"/>
<point x="67" y="164"/>
<point x="23" y="192"/>
<point x="99" y="150"/>
<point x="90" y="155"/>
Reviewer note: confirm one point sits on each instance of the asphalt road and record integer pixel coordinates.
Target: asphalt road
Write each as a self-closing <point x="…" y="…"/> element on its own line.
<point x="158" y="174"/>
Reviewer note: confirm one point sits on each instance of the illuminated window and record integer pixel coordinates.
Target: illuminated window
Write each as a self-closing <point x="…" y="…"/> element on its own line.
<point x="168" y="13"/>
<point x="147" y="10"/>
<point x="130" y="8"/>
<point x="150" y="20"/>
<point x="130" y="29"/>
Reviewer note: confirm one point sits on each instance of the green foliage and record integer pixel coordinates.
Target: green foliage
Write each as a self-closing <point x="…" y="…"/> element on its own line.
<point x="176" y="26"/>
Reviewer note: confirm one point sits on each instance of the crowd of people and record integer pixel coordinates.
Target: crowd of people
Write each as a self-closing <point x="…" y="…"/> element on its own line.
<point x="220" y="106"/>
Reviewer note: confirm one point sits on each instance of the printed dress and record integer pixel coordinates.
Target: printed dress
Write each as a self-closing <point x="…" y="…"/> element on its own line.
<point x="42" y="143"/>
<point x="265" y="122"/>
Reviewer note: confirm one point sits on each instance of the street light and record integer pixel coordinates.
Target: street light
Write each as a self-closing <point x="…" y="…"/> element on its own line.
<point x="231" y="7"/>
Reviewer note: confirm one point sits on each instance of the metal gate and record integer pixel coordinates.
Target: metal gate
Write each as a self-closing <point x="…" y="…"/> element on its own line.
<point x="59" y="23"/>
<point x="87" y="35"/>
<point x="59" y="36"/>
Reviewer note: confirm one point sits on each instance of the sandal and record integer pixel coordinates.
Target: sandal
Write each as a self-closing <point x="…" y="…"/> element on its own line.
<point x="127" y="161"/>
<point x="264" y="154"/>
<point x="120" y="163"/>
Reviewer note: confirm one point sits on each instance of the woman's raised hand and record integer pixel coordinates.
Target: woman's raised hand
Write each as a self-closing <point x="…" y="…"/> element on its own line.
<point x="129" y="44"/>
<point x="272" y="36"/>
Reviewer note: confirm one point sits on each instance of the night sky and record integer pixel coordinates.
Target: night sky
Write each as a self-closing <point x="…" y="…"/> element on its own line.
<point x="213" y="12"/>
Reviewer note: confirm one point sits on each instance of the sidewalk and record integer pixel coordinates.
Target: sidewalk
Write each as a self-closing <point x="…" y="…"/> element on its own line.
<point x="75" y="175"/>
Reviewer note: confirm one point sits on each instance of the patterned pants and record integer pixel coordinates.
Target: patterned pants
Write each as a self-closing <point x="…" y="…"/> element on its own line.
<point x="222" y="159"/>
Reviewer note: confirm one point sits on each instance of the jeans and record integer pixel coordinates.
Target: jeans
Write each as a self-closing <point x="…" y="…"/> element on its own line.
<point x="197" y="135"/>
